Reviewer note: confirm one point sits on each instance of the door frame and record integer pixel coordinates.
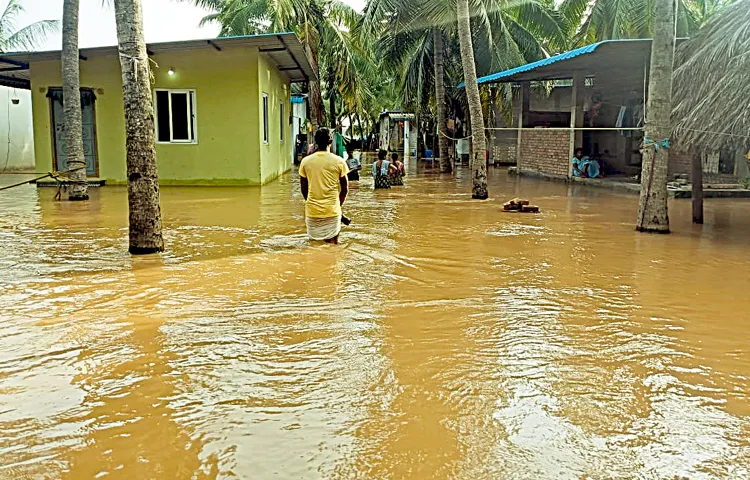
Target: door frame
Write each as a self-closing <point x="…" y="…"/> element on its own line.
<point x="53" y="136"/>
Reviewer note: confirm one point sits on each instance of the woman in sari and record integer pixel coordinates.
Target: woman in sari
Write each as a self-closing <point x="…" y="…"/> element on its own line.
<point x="381" y="170"/>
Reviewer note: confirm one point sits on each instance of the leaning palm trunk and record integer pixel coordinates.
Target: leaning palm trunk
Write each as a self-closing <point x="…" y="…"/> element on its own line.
<point x="652" y="208"/>
<point x="71" y="80"/>
<point x="442" y="123"/>
<point x="479" y="143"/>
<point x="316" y="99"/>
<point x="143" y="181"/>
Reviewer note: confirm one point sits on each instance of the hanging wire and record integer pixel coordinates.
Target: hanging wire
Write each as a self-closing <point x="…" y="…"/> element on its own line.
<point x="7" y="151"/>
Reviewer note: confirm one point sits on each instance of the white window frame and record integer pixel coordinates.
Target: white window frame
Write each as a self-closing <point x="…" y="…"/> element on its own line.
<point x="266" y="114"/>
<point x="192" y="122"/>
<point x="282" y="122"/>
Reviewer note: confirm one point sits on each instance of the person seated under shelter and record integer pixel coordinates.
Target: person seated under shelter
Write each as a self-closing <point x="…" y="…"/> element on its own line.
<point x="585" y="167"/>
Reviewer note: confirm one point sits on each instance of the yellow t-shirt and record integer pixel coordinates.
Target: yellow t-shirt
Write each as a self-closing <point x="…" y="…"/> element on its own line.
<point x="323" y="171"/>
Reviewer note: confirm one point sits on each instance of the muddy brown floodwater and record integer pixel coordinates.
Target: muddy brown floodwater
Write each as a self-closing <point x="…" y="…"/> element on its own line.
<point x="442" y="339"/>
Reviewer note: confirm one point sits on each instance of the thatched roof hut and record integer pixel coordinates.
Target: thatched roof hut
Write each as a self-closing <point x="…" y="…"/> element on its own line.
<point x="712" y="84"/>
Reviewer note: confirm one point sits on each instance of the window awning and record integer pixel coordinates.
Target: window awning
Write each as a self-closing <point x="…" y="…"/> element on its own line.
<point x="14" y="73"/>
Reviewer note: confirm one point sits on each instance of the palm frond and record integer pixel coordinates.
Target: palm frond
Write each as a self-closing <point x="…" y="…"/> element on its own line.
<point x="30" y="36"/>
<point x="711" y="87"/>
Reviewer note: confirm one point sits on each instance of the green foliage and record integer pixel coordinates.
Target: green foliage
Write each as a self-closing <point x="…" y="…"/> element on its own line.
<point x="328" y="29"/>
<point x="382" y="58"/>
<point x="27" y="37"/>
<point x="591" y="21"/>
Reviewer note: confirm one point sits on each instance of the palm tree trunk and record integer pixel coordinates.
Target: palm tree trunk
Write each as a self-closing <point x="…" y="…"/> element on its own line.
<point x="442" y="121"/>
<point x="361" y="131"/>
<point x="652" y="207"/>
<point x="697" y="194"/>
<point x="332" y="97"/>
<point x="315" y="102"/>
<point x="479" y="143"/>
<point x="71" y="80"/>
<point x="143" y="179"/>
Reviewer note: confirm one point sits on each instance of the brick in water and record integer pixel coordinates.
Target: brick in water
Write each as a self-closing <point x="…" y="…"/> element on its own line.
<point x="530" y="209"/>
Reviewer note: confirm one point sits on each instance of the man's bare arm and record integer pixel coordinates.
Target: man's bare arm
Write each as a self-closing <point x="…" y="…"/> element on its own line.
<point x="344" y="189"/>
<point x="304" y="186"/>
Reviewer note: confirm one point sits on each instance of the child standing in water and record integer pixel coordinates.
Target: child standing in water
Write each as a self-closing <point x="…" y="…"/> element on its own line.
<point x="352" y="161"/>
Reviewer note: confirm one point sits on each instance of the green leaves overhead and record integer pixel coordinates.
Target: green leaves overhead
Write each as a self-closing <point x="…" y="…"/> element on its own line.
<point x="27" y="37"/>
<point x="382" y="58"/>
<point x="589" y="21"/>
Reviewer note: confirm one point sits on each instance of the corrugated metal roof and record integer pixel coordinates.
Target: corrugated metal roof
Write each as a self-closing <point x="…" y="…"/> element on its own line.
<point x="562" y="57"/>
<point x="540" y="63"/>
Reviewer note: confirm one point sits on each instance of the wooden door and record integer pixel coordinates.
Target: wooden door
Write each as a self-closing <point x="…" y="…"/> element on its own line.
<point x="89" y="131"/>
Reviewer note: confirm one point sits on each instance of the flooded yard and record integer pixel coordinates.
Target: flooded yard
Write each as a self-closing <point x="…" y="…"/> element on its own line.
<point x="442" y="338"/>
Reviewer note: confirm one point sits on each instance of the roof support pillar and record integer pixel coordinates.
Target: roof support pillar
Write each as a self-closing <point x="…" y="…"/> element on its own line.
<point x="576" y="118"/>
<point x="525" y="101"/>
<point x="523" y="117"/>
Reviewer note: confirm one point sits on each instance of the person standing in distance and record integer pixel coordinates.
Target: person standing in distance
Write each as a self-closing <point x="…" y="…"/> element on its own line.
<point x="324" y="186"/>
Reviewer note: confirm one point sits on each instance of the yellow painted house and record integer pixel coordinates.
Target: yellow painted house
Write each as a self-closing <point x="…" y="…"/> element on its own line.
<point x="223" y="111"/>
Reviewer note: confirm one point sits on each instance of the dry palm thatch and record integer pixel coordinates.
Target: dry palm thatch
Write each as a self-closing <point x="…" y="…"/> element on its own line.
<point x="712" y="85"/>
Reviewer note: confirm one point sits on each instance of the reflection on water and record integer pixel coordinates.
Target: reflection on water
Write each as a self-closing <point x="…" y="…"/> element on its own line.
<point x="442" y="339"/>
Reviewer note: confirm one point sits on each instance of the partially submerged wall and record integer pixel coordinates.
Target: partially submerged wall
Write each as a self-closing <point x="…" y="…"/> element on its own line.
<point x="545" y="151"/>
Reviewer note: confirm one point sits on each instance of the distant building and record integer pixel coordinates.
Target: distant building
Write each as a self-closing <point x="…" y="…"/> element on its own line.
<point x="398" y="133"/>
<point x="222" y="108"/>
<point x="597" y="102"/>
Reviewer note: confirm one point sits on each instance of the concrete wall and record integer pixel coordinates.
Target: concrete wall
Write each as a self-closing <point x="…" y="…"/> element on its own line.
<point x="545" y="151"/>
<point x="16" y="131"/>
<point x="228" y="116"/>
<point x="275" y="156"/>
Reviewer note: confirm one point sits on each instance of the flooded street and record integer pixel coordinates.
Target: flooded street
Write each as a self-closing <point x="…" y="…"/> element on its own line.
<point x="442" y="338"/>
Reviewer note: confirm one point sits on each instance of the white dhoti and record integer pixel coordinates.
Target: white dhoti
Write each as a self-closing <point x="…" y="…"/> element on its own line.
<point x="323" y="228"/>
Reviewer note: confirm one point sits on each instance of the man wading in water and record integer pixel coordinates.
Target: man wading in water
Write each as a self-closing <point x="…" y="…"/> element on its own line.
<point x="325" y="186"/>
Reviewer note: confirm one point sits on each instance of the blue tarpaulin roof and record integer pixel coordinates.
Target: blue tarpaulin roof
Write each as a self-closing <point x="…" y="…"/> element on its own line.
<point x="508" y="75"/>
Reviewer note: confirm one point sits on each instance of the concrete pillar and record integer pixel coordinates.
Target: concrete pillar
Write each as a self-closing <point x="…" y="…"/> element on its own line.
<point x="576" y="117"/>
<point x="523" y="117"/>
<point x="407" y="143"/>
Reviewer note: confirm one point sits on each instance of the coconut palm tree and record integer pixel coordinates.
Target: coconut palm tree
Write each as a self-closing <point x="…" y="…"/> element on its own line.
<point x="592" y="21"/>
<point x="143" y="181"/>
<point x="71" y="81"/>
<point x="442" y="117"/>
<point x="711" y="87"/>
<point x="506" y="34"/>
<point x="479" y="142"/>
<point x="711" y="90"/>
<point x="652" y="207"/>
<point x="318" y="23"/>
<point x="27" y="37"/>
